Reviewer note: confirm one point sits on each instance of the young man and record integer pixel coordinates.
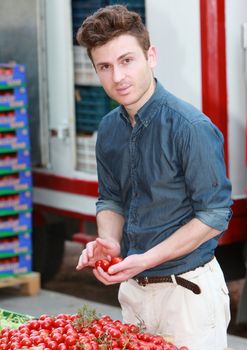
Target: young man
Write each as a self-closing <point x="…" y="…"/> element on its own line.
<point x="164" y="195"/>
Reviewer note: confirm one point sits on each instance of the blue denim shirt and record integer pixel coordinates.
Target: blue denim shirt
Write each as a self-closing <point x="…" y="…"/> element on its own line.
<point x="162" y="173"/>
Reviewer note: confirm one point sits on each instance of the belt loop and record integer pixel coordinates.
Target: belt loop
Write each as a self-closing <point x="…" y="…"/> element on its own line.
<point x="174" y="281"/>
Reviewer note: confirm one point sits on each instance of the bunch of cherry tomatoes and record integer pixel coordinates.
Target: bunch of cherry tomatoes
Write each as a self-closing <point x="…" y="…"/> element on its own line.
<point x="105" y="263"/>
<point x="72" y="332"/>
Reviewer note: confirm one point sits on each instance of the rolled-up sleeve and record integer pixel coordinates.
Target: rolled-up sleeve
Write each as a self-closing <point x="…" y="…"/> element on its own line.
<point x="205" y="174"/>
<point x="216" y="218"/>
<point x="102" y="204"/>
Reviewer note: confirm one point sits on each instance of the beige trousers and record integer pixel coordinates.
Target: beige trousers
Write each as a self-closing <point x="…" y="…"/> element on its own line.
<point x="196" y="321"/>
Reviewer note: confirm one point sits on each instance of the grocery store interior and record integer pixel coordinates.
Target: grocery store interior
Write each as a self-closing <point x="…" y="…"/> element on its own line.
<point x="51" y="104"/>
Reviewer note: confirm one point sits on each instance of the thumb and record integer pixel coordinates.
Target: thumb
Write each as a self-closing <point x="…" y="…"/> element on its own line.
<point x="117" y="268"/>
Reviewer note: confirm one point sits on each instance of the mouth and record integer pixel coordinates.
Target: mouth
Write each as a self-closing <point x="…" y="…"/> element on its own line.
<point x="123" y="90"/>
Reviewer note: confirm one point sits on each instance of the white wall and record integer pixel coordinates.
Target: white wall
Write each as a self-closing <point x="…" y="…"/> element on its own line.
<point x="174" y="27"/>
<point x="237" y="90"/>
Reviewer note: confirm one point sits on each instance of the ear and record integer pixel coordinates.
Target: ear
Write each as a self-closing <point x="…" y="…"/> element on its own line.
<point x="152" y="56"/>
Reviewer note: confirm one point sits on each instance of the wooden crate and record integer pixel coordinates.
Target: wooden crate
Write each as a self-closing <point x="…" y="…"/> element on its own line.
<point x="29" y="284"/>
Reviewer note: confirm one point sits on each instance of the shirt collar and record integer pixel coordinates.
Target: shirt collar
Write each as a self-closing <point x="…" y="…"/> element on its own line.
<point x="147" y="111"/>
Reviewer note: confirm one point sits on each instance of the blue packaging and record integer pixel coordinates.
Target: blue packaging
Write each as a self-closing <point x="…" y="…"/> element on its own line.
<point x="14" y="140"/>
<point x="15" y="181"/>
<point x="12" y="75"/>
<point x="15" y="161"/>
<point x="15" y="265"/>
<point x="15" y="97"/>
<point x="12" y="223"/>
<point x="13" y="119"/>
<point x="15" y="244"/>
<point x="16" y="201"/>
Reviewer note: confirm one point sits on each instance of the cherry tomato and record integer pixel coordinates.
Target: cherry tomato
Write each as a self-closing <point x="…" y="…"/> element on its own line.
<point x="104" y="264"/>
<point x="114" y="333"/>
<point x="116" y="260"/>
<point x="70" y="340"/>
<point x="133" y="328"/>
<point x="62" y="333"/>
<point x="43" y="317"/>
<point x="58" y="337"/>
<point x="37" y="339"/>
<point x="62" y="346"/>
<point x="26" y="342"/>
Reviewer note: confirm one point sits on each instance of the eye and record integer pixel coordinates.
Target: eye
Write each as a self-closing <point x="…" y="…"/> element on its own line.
<point x="104" y="67"/>
<point x="127" y="60"/>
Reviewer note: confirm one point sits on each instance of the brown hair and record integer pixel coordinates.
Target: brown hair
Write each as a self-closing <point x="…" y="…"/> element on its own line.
<point x="108" y="23"/>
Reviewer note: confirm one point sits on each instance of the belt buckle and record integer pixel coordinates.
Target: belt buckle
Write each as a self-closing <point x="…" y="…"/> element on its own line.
<point x="144" y="282"/>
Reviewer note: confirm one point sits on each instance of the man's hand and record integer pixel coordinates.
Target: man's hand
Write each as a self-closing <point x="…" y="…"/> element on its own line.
<point x="124" y="270"/>
<point x="96" y="250"/>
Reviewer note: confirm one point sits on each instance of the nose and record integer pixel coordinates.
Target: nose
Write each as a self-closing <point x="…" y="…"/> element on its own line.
<point x="118" y="74"/>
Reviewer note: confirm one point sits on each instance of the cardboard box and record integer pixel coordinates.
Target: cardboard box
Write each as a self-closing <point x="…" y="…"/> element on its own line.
<point x="13" y="119"/>
<point x="12" y="223"/>
<point x="14" y="140"/>
<point x="15" y="244"/>
<point x="12" y="75"/>
<point x="15" y="181"/>
<point x="15" y="265"/>
<point x="15" y="161"/>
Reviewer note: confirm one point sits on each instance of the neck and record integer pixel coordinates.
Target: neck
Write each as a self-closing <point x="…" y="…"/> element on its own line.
<point x="133" y="109"/>
<point x="132" y="121"/>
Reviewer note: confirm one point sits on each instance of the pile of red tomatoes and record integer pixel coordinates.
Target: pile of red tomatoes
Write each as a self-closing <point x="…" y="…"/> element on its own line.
<point x="75" y="332"/>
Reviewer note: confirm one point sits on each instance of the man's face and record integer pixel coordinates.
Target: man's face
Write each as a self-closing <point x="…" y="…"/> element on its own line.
<point x="125" y="72"/>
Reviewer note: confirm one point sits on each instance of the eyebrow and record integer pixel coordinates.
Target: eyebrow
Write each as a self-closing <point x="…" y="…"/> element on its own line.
<point x="119" y="58"/>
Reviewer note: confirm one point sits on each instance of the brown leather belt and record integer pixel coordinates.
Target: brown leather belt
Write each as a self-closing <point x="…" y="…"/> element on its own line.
<point x="143" y="281"/>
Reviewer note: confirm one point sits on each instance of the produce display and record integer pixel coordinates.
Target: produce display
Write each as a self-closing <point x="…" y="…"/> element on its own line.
<point x="82" y="331"/>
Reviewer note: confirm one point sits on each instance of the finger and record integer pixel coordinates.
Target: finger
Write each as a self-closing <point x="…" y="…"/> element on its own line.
<point x="97" y="274"/>
<point x="83" y="260"/>
<point x="116" y="268"/>
<point x="90" y="248"/>
<point x="107" y="279"/>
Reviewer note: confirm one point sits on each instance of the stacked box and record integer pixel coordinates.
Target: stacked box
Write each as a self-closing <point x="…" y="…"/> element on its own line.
<point x="12" y="75"/>
<point x="85" y="148"/>
<point x="14" y="201"/>
<point x="84" y="72"/>
<point x="15" y="265"/>
<point x="92" y="104"/>
<point x="81" y="9"/>
<point x="133" y="5"/>
<point x="17" y="244"/>
<point x="16" y="160"/>
<point x="13" y="119"/>
<point x="15" y="173"/>
<point x="15" y="222"/>
<point x="12" y="97"/>
<point x="15" y="181"/>
<point x="14" y="139"/>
